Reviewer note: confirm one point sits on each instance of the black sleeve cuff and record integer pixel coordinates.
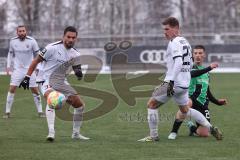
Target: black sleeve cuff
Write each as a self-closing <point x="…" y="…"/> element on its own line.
<point x="212" y="98"/>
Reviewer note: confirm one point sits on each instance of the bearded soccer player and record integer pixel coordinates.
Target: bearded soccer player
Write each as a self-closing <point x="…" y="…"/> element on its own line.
<point x="21" y="52"/>
<point x="199" y="94"/>
<point x="54" y="57"/>
<point x="176" y="82"/>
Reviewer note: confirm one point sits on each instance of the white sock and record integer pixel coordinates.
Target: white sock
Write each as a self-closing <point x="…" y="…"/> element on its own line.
<point x="198" y="117"/>
<point x="38" y="103"/>
<point x="153" y="122"/>
<point x="50" y="115"/>
<point x="77" y="119"/>
<point x="10" y="98"/>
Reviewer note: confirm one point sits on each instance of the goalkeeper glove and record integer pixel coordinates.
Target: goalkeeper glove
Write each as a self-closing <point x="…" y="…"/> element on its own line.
<point x="78" y="71"/>
<point x="25" y="82"/>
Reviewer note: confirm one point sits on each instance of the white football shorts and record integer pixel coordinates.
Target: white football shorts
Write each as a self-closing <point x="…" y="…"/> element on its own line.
<point x="64" y="88"/>
<point x="180" y="94"/>
<point x="19" y="74"/>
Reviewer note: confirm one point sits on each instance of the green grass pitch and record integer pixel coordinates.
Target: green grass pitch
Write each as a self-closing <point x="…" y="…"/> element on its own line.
<point x="114" y="135"/>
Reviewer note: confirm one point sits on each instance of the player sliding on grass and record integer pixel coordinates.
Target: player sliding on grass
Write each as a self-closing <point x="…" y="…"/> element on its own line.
<point x="176" y="82"/>
<point x="53" y="57"/>
<point x="199" y="94"/>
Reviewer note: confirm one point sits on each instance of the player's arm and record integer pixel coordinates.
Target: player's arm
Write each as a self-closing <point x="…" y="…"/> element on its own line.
<point x="199" y="72"/>
<point x="212" y="99"/>
<point x="78" y="71"/>
<point x="177" y="55"/>
<point x="177" y="66"/>
<point x="196" y="73"/>
<point x="32" y="67"/>
<point x="176" y="70"/>
<point x="9" y="58"/>
<point x="43" y="55"/>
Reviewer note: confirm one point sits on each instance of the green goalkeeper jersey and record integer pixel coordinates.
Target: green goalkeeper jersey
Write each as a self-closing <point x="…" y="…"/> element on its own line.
<point x="198" y="88"/>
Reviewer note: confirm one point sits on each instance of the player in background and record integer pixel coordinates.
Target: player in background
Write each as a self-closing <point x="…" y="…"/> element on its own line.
<point x="54" y="56"/>
<point x="39" y="73"/>
<point x="21" y="51"/>
<point x="39" y="79"/>
<point x="176" y="82"/>
<point x="199" y="94"/>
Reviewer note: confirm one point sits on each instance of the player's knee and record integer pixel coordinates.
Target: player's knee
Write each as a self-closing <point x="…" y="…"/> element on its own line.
<point x="184" y="109"/>
<point x="35" y="90"/>
<point x="152" y="104"/>
<point x="12" y="89"/>
<point x="203" y="131"/>
<point x="75" y="101"/>
<point x="180" y="116"/>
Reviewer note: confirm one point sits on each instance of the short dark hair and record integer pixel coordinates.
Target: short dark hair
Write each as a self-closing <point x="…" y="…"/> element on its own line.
<point x="200" y="47"/>
<point x="20" y="26"/>
<point x="70" y="29"/>
<point x="171" y="21"/>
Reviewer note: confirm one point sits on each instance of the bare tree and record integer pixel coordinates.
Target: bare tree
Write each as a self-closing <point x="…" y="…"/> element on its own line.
<point x="211" y="16"/>
<point x="28" y="11"/>
<point x="2" y="16"/>
<point x="120" y="18"/>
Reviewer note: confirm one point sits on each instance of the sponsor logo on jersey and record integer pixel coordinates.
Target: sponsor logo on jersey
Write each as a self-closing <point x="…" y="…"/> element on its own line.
<point x="61" y="61"/>
<point x="185" y="70"/>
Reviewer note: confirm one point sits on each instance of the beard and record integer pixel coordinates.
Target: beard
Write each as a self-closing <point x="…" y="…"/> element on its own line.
<point x="22" y="37"/>
<point x="69" y="45"/>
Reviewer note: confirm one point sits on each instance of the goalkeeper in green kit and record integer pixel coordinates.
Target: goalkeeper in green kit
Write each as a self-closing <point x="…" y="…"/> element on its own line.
<point x="199" y="95"/>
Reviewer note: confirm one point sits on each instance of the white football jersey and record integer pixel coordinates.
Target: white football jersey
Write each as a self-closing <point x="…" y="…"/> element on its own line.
<point x="54" y="55"/>
<point x="179" y="47"/>
<point x="22" y="52"/>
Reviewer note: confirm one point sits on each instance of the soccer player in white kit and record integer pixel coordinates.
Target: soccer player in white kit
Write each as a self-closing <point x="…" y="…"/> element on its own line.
<point x="176" y="82"/>
<point x="21" y="51"/>
<point x="39" y="75"/>
<point x="53" y="57"/>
